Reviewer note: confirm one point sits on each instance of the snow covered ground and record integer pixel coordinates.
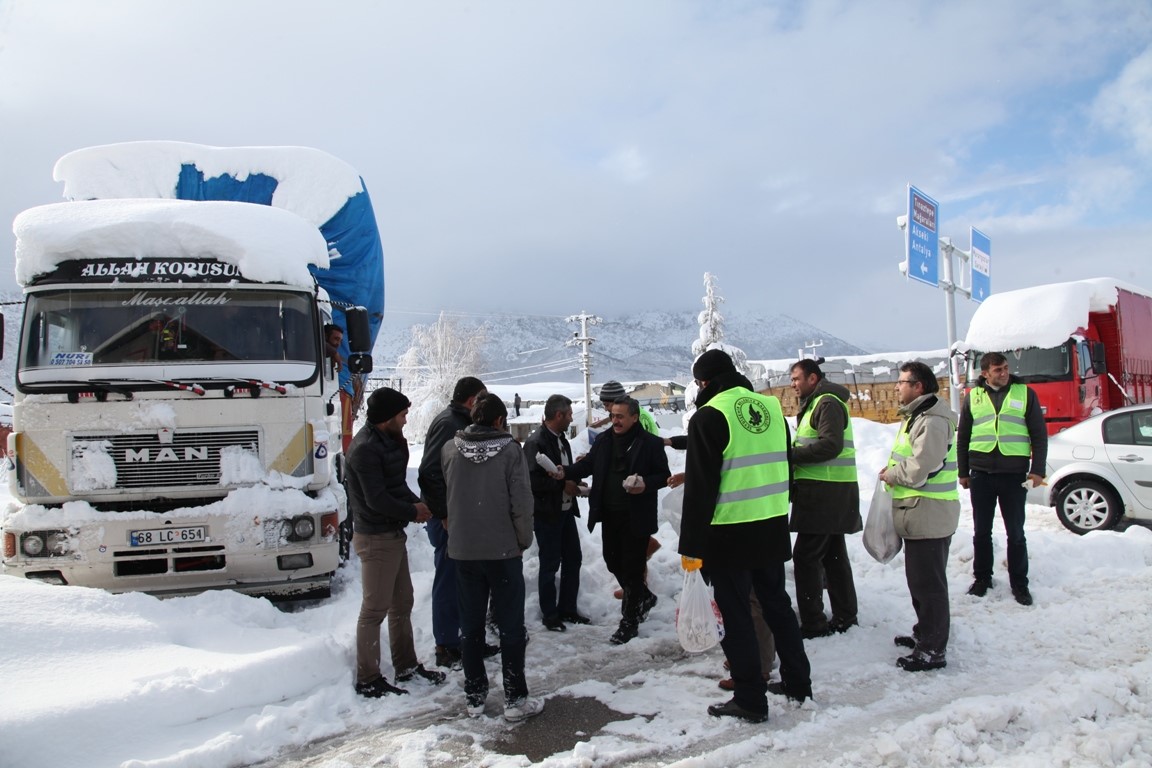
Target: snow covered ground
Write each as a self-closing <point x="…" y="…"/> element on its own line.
<point x="89" y="679"/>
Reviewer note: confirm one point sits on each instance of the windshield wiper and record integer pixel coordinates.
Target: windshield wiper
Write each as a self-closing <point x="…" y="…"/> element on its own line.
<point x="195" y="389"/>
<point x="103" y="389"/>
<point x="254" y="386"/>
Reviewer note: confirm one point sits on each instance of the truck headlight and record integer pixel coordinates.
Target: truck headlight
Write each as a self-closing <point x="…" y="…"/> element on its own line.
<point x="303" y="528"/>
<point x="32" y="544"/>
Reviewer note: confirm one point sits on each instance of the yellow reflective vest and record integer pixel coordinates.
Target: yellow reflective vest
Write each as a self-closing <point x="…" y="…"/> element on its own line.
<point x="754" y="469"/>
<point x="840" y="469"/>
<point x="1006" y="429"/>
<point x="941" y="484"/>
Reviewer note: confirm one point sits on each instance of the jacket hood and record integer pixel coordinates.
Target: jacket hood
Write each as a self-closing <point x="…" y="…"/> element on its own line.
<point x="478" y="444"/>
<point x="929" y="404"/>
<point x="722" y="382"/>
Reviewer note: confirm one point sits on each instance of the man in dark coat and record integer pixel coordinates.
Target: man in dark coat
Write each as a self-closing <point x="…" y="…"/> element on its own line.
<point x="382" y="505"/>
<point x="1001" y="446"/>
<point x="445" y="613"/>
<point x="736" y="520"/>
<point x="555" y="510"/>
<point x="628" y="468"/>
<point x="825" y="502"/>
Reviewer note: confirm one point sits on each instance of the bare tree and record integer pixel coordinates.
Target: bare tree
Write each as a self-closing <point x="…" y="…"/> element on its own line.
<point x="440" y="354"/>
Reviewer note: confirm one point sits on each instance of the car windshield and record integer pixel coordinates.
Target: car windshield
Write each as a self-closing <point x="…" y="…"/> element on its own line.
<point x="131" y="327"/>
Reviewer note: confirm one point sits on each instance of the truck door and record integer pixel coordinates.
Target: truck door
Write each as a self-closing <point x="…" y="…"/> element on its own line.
<point x="1128" y="443"/>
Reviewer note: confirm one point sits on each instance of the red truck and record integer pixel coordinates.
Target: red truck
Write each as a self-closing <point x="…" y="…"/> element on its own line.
<point x="1084" y="346"/>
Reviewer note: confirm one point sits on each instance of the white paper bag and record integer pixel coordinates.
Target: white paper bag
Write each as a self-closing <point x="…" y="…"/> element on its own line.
<point x="880" y="537"/>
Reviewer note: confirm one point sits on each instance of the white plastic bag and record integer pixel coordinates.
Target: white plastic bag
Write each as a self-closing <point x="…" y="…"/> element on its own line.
<point x="880" y="537"/>
<point x="697" y="620"/>
<point x="547" y="463"/>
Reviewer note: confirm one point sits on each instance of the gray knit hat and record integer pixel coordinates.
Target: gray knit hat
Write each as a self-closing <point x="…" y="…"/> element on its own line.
<point x="612" y="391"/>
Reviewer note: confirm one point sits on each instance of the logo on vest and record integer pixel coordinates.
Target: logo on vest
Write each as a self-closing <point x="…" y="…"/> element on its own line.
<point x="752" y="415"/>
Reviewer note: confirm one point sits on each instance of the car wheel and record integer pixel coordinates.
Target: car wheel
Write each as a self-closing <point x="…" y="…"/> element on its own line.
<point x="1088" y="505"/>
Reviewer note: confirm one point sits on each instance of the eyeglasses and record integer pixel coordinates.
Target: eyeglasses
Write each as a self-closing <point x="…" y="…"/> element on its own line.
<point x="906" y="381"/>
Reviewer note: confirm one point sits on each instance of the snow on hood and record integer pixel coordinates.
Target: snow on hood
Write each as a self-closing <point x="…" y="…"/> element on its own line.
<point x="310" y="183"/>
<point x="1043" y="316"/>
<point x="267" y="244"/>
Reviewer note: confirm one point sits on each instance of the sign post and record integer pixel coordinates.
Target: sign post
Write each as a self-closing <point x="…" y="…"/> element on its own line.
<point x="923" y="248"/>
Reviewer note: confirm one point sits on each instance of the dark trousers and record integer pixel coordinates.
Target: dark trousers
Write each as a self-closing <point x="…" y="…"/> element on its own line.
<point x="819" y="559"/>
<point x="926" y="568"/>
<point x="733" y="589"/>
<point x="502" y="583"/>
<point x="559" y="542"/>
<point x="445" y="612"/>
<point x="626" y="555"/>
<point x="986" y="488"/>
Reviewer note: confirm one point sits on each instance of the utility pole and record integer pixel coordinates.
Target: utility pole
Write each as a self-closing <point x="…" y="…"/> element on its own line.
<point x="812" y="345"/>
<point x="582" y="339"/>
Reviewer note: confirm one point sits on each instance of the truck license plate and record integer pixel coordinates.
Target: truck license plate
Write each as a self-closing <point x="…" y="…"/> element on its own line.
<point x="166" y="536"/>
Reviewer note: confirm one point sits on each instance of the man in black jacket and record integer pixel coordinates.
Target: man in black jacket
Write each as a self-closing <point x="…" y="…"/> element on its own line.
<point x="736" y="520"/>
<point x="628" y="468"/>
<point x="382" y="505"/>
<point x="433" y="489"/>
<point x="554" y="517"/>
<point x="1001" y="445"/>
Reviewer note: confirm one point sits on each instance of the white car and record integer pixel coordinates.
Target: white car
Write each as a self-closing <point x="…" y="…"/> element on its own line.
<point x="1100" y="470"/>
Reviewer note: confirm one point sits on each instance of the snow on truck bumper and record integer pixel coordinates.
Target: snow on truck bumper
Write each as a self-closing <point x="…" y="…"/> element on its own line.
<point x="275" y="543"/>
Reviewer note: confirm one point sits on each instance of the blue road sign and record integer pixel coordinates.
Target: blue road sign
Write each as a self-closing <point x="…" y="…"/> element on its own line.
<point x="922" y="238"/>
<point x="981" y="265"/>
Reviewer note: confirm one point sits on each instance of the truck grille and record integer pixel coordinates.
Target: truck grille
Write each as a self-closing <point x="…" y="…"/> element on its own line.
<point x="187" y="459"/>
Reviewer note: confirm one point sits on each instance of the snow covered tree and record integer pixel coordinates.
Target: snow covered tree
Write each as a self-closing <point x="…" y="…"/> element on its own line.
<point x="712" y="327"/>
<point x="440" y="354"/>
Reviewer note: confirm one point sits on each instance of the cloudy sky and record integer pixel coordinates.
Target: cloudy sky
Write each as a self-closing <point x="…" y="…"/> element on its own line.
<point x="547" y="157"/>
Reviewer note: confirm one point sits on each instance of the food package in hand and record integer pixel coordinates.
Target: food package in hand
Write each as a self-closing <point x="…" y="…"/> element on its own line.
<point x="633" y="481"/>
<point x="547" y="463"/>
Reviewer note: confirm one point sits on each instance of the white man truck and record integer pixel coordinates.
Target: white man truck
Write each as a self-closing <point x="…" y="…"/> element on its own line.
<point x="176" y="424"/>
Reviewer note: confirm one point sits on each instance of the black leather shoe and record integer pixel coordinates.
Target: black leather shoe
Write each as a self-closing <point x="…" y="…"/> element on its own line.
<point x="625" y="632"/>
<point x="917" y="663"/>
<point x="575" y="618"/>
<point x="840" y="627"/>
<point x="418" y="671"/>
<point x="377" y="688"/>
<point x="905" y="641"/>
<point x="490" y="650"/>
<point x="553" y="624"/>
<point x="811" y="634"/>
<point x="732" y="709"/>
<point x="447" y="657"/>
<point x="781" y="689"/>
<point x="1022" y="595"/>
<point x="980" y="587"/>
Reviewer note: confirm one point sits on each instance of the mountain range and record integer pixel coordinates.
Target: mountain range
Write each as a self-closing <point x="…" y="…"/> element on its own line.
<point x="642" y="346"/>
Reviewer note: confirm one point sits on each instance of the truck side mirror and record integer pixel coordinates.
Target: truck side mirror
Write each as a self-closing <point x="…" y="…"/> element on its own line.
<point x="1099" y="365"/>
<point x="359" y="340"/>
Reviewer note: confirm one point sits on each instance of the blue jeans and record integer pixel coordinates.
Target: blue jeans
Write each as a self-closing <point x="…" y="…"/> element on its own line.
<point x="502" y="582"/>
<point x="986" y="488"/>
<point x="445" y="612"/>
<point x="559" y="543"/>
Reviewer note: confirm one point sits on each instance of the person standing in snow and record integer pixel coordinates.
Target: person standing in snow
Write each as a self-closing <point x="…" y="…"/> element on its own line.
<point x="735" y="526"/>
<point x="825" y="502"/>
<point x="382" y="505"/>
<point x="1001" y="446"/>
<point x="445" y="613"/>
<point x="628" y="468"/>
<point x="925" y="510"/>
<point x="554" y="517"/>
<point x="516" y="404"/>
<point x="490" y="517"/>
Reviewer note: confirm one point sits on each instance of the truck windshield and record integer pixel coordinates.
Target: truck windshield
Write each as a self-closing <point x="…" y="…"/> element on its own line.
<point x="132" y="327"/>
<point x="1032" y="365"/>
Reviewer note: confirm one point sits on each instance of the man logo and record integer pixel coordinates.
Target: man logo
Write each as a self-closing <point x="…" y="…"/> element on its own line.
<point x="752" y="415"/>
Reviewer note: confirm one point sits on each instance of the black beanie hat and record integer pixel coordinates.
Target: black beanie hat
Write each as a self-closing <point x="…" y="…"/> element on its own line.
<point x="711" y="364"/>
<point x="385" y="403"/>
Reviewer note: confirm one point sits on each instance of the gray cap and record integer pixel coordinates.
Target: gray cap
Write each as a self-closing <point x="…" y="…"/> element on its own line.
<point x="612" y="391"/>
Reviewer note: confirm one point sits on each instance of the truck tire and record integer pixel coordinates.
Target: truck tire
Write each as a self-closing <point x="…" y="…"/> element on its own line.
<point x="1088" y="505"/>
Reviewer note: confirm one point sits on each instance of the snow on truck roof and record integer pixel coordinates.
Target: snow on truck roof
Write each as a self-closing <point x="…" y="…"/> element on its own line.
<point x="267" y="244"/>
<point x="1043" y="316"/>
<point x="310" y="183"/>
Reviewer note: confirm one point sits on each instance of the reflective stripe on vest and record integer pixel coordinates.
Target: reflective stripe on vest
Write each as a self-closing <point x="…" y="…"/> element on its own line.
<point x="841" y="468"/>
<point x="1006" y="430"/>
<point x="754" y="470"/>
<point x="941" y="484"/>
